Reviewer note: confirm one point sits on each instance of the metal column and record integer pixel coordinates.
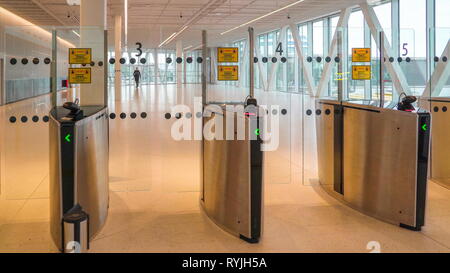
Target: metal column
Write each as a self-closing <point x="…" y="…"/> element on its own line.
<point x="251" y="47"/>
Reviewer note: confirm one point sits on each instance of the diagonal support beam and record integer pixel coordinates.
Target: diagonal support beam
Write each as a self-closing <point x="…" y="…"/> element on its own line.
<point x="302" y="60"/>
<point x="328" y="67"/>
<point x="398" y="77"/>
<point x="440" y="76"/>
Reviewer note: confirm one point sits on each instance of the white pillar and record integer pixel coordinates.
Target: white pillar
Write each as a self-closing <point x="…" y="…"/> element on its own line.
<point x="179" y="66"/>
<point x="92" y="32"/>
<point x="118" y="55"/>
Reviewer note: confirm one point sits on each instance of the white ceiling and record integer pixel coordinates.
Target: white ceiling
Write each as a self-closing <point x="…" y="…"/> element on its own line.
<point x="152" y="21"/>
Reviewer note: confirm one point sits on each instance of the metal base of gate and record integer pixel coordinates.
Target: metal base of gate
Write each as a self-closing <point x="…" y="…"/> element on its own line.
<point x="375" y="159"/>
<point x="232" y="192"/>
<point x="79" y="192"/>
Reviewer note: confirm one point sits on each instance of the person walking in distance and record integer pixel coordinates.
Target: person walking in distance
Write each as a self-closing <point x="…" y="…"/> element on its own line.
<point x="137" y="76"/>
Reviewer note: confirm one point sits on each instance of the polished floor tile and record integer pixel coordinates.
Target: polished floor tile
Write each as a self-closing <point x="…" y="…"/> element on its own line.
<point x="155" y="182"/>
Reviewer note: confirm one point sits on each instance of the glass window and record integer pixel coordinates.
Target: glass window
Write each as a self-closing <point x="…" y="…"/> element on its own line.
<point x="442" y="25"/>
<point x="384" y="13"/>
<point x="317" y="51"/>
<point x="443" y="34"/>
<point x="413" y="43"/>
<point x="303" y="33"/>
<point x="291" y="61"/>
<point x="355" y="40"/>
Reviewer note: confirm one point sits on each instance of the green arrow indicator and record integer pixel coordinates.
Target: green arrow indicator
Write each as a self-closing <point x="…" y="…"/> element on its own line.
<point x="424" y="127"/>
<point x="67" y="138"/>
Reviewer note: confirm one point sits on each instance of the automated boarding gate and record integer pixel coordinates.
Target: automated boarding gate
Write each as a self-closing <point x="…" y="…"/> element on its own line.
<point x="375" y="159"/>
<point x="78" y="173"/>
<point x="232" y="176"/>
<point x="79" y="143"/>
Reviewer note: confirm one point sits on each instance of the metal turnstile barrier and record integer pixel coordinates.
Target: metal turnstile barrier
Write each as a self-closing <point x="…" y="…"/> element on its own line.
<point x="232" y="193"/>
<point x="79" y="193"/>
<point x="375" y="159"/>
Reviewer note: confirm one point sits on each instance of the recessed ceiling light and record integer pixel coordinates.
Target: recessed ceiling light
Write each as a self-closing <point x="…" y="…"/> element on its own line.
<point x="264" y="16"/>
<point x="73" y="2"/>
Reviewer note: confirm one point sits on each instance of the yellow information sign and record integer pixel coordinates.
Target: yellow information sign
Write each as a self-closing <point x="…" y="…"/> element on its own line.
<point x="80" y="55"/>
<point x="79" y="75"/>
<point x="228" y="73"/>
<point x="227" y="54"/>
<point x="361" y="72"/>
<point x="361" y="55"/>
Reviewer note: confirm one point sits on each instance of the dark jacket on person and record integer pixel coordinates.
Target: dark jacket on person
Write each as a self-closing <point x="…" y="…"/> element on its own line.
<point x="137" y="74"/>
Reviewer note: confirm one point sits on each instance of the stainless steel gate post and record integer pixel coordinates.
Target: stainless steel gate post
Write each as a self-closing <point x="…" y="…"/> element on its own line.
<point x="382" y="60"/>
<point x="251" y="41"/>
<point x="204" y="63"/>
